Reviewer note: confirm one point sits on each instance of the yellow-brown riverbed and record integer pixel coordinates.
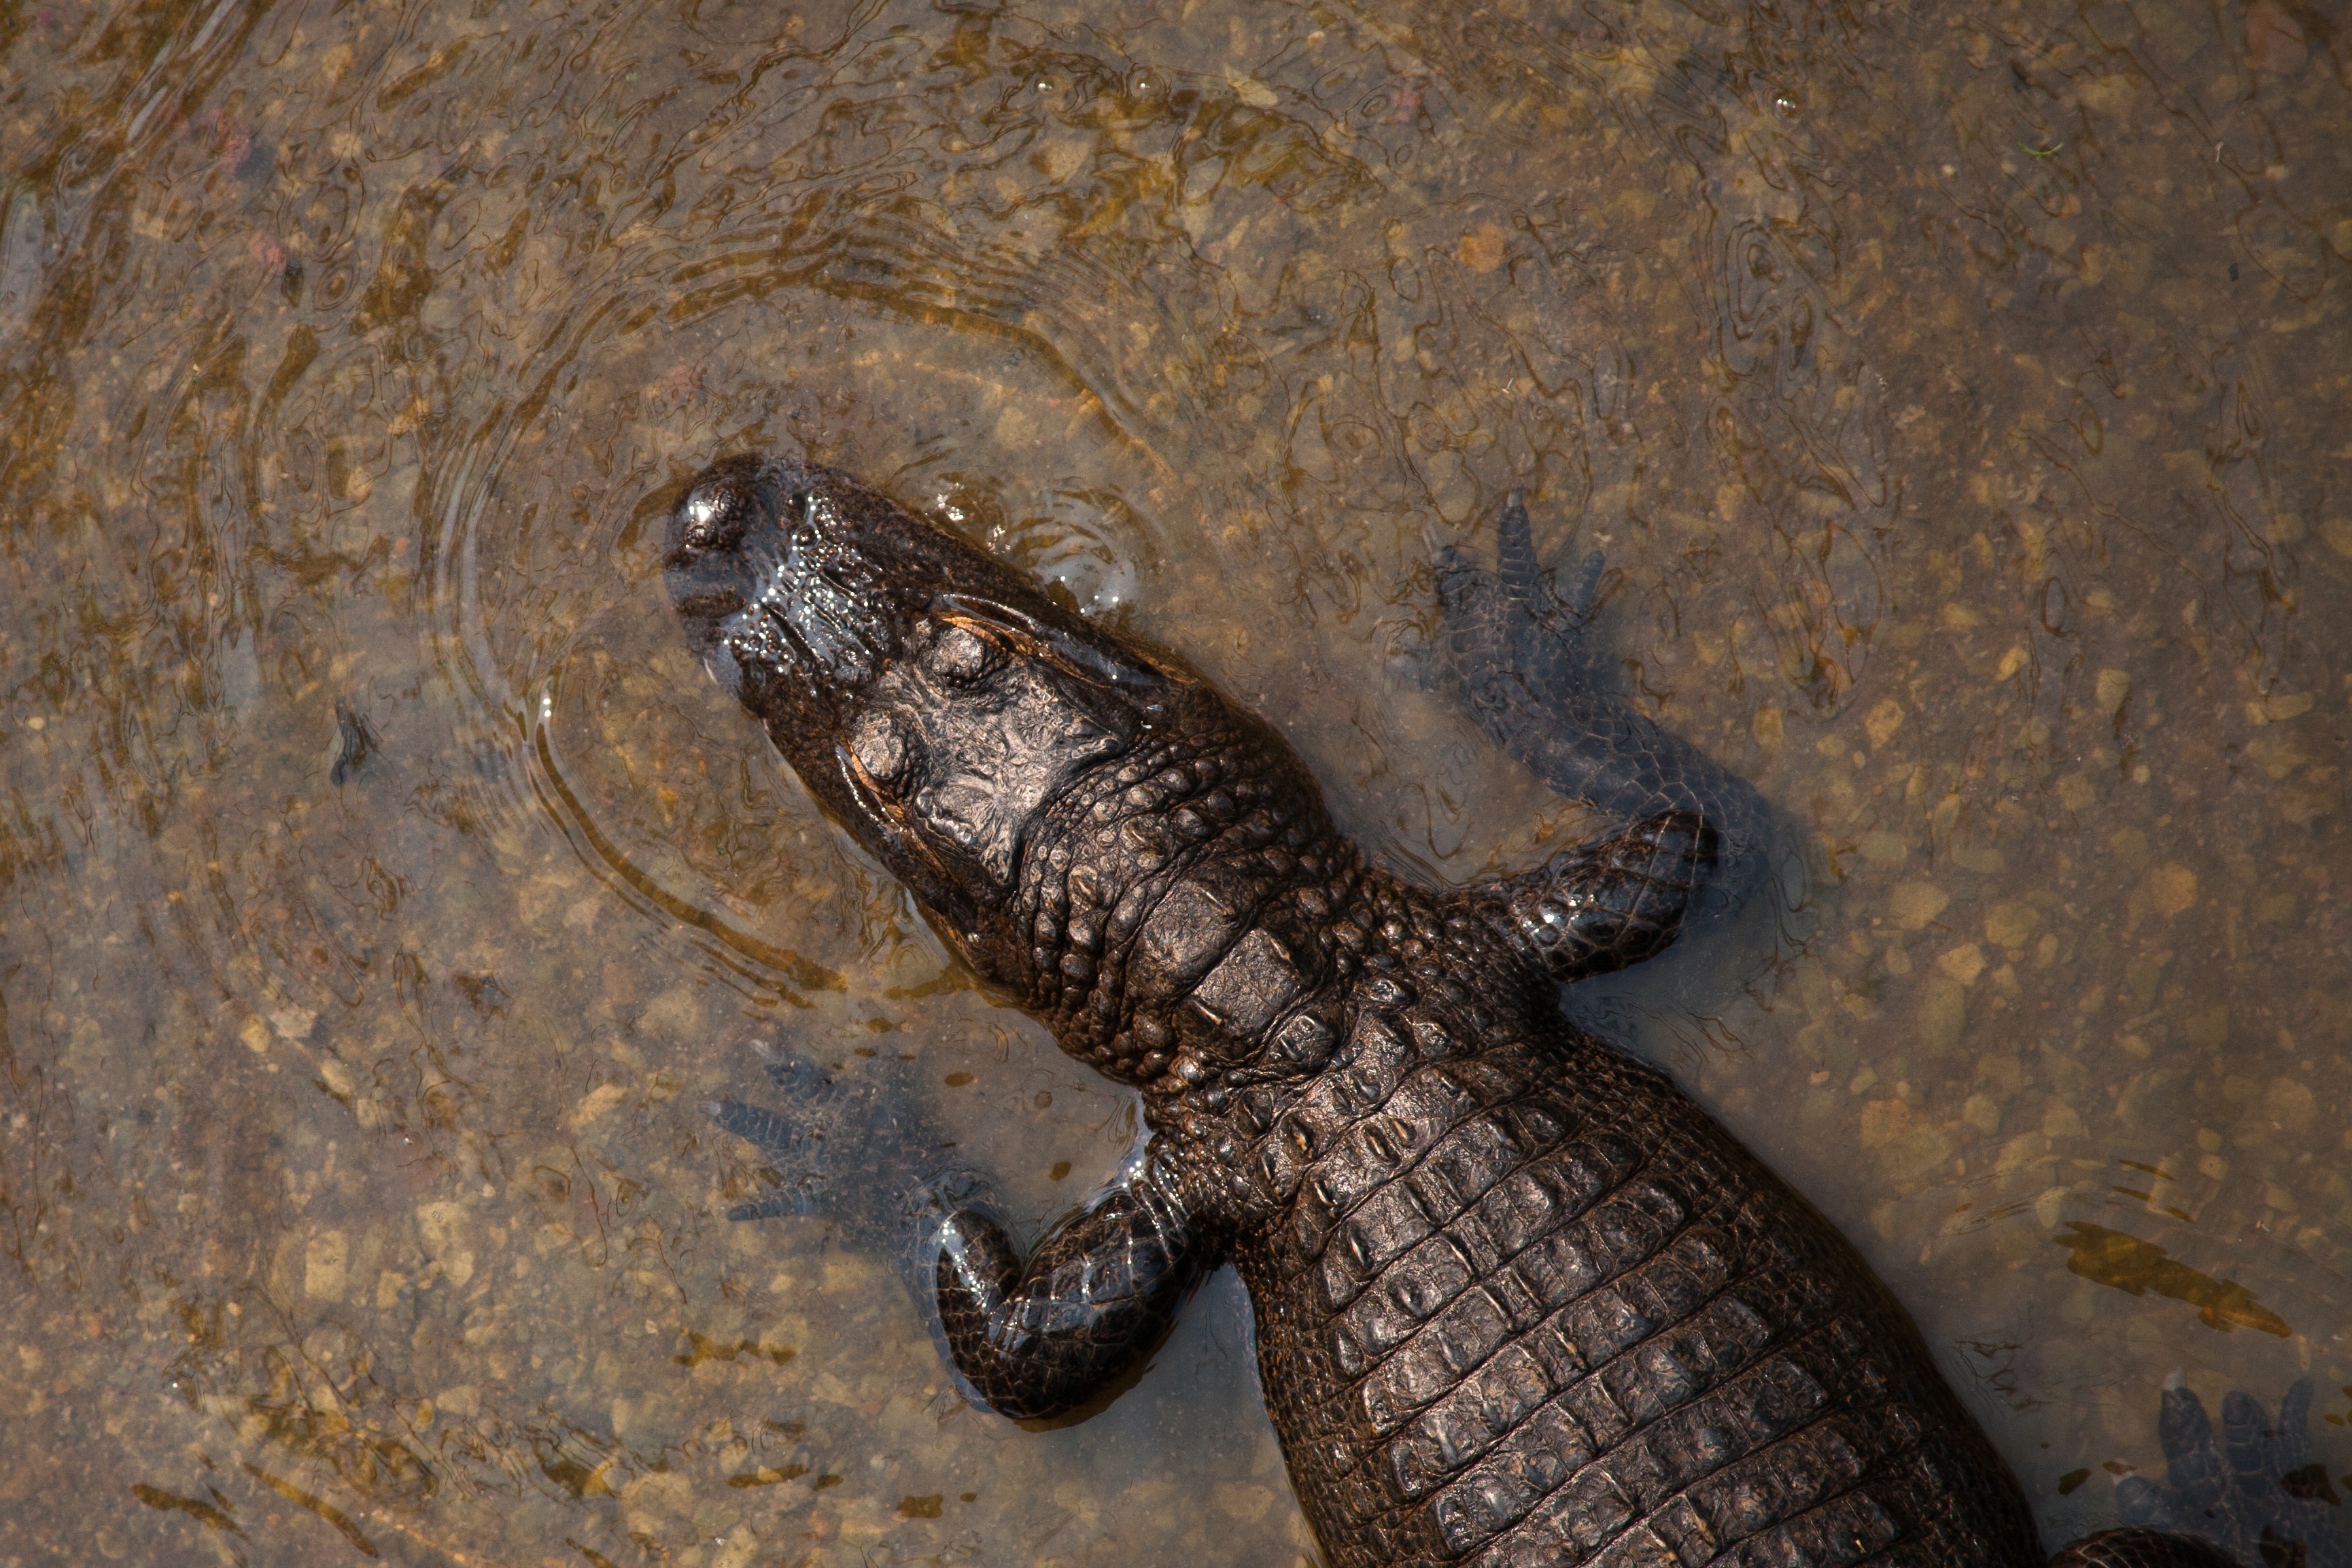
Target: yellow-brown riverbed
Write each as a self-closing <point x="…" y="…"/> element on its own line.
<point x="1960" y="397"/>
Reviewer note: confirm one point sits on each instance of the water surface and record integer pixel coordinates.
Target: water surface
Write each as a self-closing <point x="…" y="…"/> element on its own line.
<point x="1960" y="401"/>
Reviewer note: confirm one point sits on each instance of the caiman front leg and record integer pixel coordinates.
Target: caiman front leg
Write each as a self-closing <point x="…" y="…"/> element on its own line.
<point x="1040" y="1337"/>
<point x="1028" y="1338"/>
<point x="1516" y="647"/>
<point x="1604" y="905"/>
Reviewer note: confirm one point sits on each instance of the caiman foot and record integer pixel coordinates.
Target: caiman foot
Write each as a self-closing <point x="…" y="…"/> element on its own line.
<point x="843" y="1147"/>
<point x="2254" y="1499"/>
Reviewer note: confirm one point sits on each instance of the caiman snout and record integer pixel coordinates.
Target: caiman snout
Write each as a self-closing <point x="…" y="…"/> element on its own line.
<point x="933" y="700"/>
<point x="701" y="566"/>
<point x="766" y="565"/>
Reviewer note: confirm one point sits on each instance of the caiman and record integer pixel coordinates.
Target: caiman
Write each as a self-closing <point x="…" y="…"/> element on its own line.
<point x="1517" y="1300"/>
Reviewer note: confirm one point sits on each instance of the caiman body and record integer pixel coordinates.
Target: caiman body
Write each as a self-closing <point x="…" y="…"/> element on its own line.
<point x="1517" y="1300"/>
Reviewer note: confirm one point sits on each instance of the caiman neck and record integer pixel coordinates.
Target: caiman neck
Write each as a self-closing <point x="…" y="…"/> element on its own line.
<point x="1195" y="927"/>
<point x="1176" y="905"/>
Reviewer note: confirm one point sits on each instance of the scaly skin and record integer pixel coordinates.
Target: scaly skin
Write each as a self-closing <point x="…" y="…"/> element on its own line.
<point x="1517" y="1300"/>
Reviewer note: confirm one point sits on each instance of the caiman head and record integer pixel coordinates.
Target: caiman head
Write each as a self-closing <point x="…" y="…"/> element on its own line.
<point x="1089" y="826"/>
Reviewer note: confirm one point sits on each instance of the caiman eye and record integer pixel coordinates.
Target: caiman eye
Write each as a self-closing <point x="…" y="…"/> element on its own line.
<point x="879" y="743"/>
<point x="961" y="655"/>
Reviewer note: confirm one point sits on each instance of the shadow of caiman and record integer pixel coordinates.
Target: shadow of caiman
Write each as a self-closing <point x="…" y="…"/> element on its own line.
<point x="1517" y="1300"/>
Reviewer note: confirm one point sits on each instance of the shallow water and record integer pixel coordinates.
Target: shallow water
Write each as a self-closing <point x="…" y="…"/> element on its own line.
<point x="1962" y="407"/>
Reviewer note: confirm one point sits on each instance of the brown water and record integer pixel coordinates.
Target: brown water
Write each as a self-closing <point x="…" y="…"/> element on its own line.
<point x="1962" y="406"/>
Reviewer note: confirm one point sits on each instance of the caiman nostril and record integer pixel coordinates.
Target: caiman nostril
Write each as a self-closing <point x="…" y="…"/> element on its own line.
<point x="710" y="517"/>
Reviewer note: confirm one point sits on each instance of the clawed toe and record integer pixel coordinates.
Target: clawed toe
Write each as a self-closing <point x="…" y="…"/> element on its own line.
<point x="1530" y="588"/>
<point x="1579" y="605"/>
<point x="796" y="1140"/>
<point x="2251" y="1485"/>
<point x="837" y="1144"/>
